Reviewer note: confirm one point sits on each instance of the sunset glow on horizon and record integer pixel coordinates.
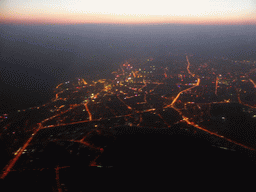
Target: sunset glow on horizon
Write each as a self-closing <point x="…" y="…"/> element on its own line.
<point x="227" y="12"/>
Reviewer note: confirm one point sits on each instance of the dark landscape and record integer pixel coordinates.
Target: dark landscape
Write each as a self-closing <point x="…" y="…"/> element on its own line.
<point x="100" y="101"/>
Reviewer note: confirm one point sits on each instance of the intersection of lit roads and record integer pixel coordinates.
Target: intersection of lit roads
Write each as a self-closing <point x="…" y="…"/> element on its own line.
<point x="40" y="126"/>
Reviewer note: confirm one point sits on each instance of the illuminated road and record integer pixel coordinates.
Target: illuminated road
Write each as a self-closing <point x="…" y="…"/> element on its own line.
<point x="164" y="120"/>
<point x="50" y="118"/>
<point x="212" y="133"/>
<point x="242" y="103"/>
<point x="57" y="95"/>
<point x="173" y="102"/>
<point x="92" y="163"/>
<point x="129" y="107"/>
<point x="253" y="83"/>
<point x="87" y="109"/>
<point x="197" y="84"/>
<point x="58" y="178"/>
<point x="19" y="152"/>
<point x="85" y="121"/>
<point x="9" y="166"/>
<point x="145" y="84"/>
<point x="12" y="162"/>
<point x="59" y="85"/>
<point x="155" y="87"/>
<point x="216" y="85"/>
<point x="195" y="125"/>
<point x="238" y="96"/>
<point x="188" y="67"/>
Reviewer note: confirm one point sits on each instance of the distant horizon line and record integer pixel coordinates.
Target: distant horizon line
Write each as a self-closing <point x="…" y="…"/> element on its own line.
<point x="127" y="24"/>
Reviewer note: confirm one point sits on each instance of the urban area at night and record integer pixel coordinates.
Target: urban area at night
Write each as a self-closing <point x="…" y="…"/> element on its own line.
<point x="205" y="99"/>
<point x="127" y="95"/>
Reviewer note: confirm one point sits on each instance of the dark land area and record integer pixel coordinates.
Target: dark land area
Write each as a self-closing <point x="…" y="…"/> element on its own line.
<point x="133" y="157"/>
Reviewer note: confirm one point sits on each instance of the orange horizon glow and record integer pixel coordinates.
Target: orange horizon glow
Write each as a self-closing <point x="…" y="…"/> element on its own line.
<point x="201" y="12"/>
<point x="66" y="19"/>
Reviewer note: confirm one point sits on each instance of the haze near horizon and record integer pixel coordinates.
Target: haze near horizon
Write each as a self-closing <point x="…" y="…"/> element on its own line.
<point x="129" y="12"/>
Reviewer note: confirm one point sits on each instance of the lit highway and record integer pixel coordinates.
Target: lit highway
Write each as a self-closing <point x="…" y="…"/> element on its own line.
<point x="59" y="85"/>
<point x="129" y="107"/>
<point x="216" y="86"/>
<point x="188" y="67"/>
<point x="238" y="96"/>
<point x="210" y="132"/>
<point x="175" y="99"/>
<point x="87" y="109"/>
<point x="128" y="88"/>
<point x="192" y="123"/>
<point x="168" y="125"/>
<point x="253" y="83"/>
<point x="9" y="166"/>
<point x="242" y="103"/>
